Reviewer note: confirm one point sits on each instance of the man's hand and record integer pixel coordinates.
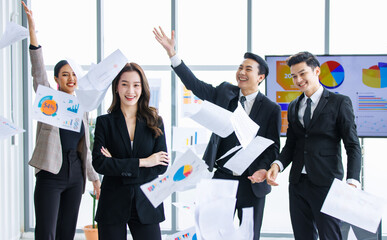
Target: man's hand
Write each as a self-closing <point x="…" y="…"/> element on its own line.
<point x="272" y="174"/>
<point x="258" y="177"/>
<point x="167" y="43"/>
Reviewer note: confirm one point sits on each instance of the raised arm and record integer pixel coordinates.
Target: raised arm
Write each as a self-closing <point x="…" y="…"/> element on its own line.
<point x="38" y="70"/>
<point x="31" y="26"/>
<point x="167" y="43"/>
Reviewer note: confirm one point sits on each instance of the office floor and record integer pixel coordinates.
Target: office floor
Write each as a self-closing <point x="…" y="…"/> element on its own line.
<point x="80" y="236"/>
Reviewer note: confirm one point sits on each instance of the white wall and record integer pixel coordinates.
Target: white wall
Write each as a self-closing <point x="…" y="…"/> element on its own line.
<point x="11" y="152"/>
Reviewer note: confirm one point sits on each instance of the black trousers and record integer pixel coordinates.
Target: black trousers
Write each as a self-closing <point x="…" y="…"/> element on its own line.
<point x="305" y="202"/>
<point x="246" y="198"/>
<point x="57" y="198"/>
<point x="138" y="230"/>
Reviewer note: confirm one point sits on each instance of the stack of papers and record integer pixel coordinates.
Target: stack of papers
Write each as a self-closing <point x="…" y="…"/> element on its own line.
<point x="223" y="122"/>
<point x="214" y="212"/>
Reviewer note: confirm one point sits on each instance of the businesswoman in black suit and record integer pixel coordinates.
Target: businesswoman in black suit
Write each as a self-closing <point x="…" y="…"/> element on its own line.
<point x="129" y="150"/>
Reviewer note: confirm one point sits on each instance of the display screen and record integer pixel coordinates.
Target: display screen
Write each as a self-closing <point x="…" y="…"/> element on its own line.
<point x="363" y="78"/>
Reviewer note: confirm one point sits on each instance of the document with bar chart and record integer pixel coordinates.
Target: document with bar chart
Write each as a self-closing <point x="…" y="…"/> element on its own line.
<point x="363" y="78"/>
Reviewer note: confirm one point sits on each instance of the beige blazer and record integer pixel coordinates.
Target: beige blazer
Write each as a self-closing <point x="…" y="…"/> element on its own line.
<point x="48" y="149"/>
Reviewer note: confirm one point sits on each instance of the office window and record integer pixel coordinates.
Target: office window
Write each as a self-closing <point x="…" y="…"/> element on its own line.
<point x="66" y="29"/>
<point x="129" y="25"/>
<point x="360" y="30"/>
<point x="286" y="27"/>
<point x="212" y="32"/>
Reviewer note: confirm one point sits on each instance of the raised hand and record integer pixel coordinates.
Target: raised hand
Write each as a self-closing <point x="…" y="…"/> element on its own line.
<point x="159" y="158"/>
<point x="167" y="43"/>
<point x="31" y="25"/>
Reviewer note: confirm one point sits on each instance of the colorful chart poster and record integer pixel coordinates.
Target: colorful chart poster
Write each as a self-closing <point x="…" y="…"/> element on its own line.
<point x="8" y="129"/>
<point x="363" y="78"/>
<point x="57" y="108"/>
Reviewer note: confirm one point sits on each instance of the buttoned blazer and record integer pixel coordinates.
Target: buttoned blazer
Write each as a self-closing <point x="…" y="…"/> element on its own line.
<point x="122" y="175"/>
<point x="319" y="146"/>
<point x="264" y="112"/>
<point x="47" y="154"/>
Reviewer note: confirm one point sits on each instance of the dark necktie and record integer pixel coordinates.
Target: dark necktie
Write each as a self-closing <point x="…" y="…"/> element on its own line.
<point x="307" y="113"/>
<point x="243" y="100"/>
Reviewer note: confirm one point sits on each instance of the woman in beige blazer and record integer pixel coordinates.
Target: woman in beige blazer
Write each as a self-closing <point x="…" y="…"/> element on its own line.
<point x="61" y="158"/>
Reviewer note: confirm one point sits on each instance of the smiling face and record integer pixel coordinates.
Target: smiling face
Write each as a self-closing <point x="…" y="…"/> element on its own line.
<point x="305" y="78"/>
<point x="67" y="80"/>
<point x="129" y="88"/>
<point x="248" y="76"/>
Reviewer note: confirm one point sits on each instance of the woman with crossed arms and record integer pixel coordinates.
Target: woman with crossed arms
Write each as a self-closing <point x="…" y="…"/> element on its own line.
<point x="129" y="150"/>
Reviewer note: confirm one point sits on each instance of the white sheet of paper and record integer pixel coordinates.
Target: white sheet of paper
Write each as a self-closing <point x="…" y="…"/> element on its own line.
<point x="188" y="207"/>
<point x="8" y="129"/>
<point x="216" y="215"/>
<point x="354" y="206"/>
<point x="92" y="87"/>
<point x="215" y="210"/>
<point x="208" y="190"/>
<point x="231" y="151"/>
<point x="90" y="99"/>
<point x="351" y="234"/>
<point x="78" y="70"/>
<point x="187" y="234"/>
<point x="102" y="75"/>
<point x="245" y="128"/>
<point x="13" y="33"/>
<point x="245" y="230"/>
<point x="57" y="108"/>
<point x="242" y="159"/>
<point x="214" y="118"/>
<point x="182" y="172"/>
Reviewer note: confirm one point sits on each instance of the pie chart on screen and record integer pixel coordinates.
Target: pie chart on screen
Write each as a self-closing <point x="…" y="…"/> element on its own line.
<point x="332" y="74"/>
<point x="182" y="173"/>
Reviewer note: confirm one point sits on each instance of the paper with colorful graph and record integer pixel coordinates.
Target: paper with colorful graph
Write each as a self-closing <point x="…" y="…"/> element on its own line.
<point x="184" y="172"/>
<point x="57" y="109"/>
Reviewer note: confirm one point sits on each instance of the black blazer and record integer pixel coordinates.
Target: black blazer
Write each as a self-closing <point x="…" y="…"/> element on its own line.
<point x="318" y="146"/>
<point x="264" y="112"/>
<point x="122" y="175"/>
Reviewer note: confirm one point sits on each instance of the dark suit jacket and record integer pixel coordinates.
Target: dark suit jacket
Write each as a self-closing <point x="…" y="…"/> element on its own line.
<point x="264" y="112"/>
<point x="122" y="175"/>
<point x="318" y="146"/>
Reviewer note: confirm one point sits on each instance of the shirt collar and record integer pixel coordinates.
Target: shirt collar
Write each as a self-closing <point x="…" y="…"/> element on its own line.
<point x="250" y="96"/>
<point x="316" y="96"/>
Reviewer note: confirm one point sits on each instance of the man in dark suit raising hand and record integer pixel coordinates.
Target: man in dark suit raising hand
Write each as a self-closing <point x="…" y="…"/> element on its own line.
<point x="318" y="121"/>
<point x="252" y="188"/>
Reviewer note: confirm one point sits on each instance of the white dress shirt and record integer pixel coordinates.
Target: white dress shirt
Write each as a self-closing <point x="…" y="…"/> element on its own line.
<point x="249" y="100"/>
